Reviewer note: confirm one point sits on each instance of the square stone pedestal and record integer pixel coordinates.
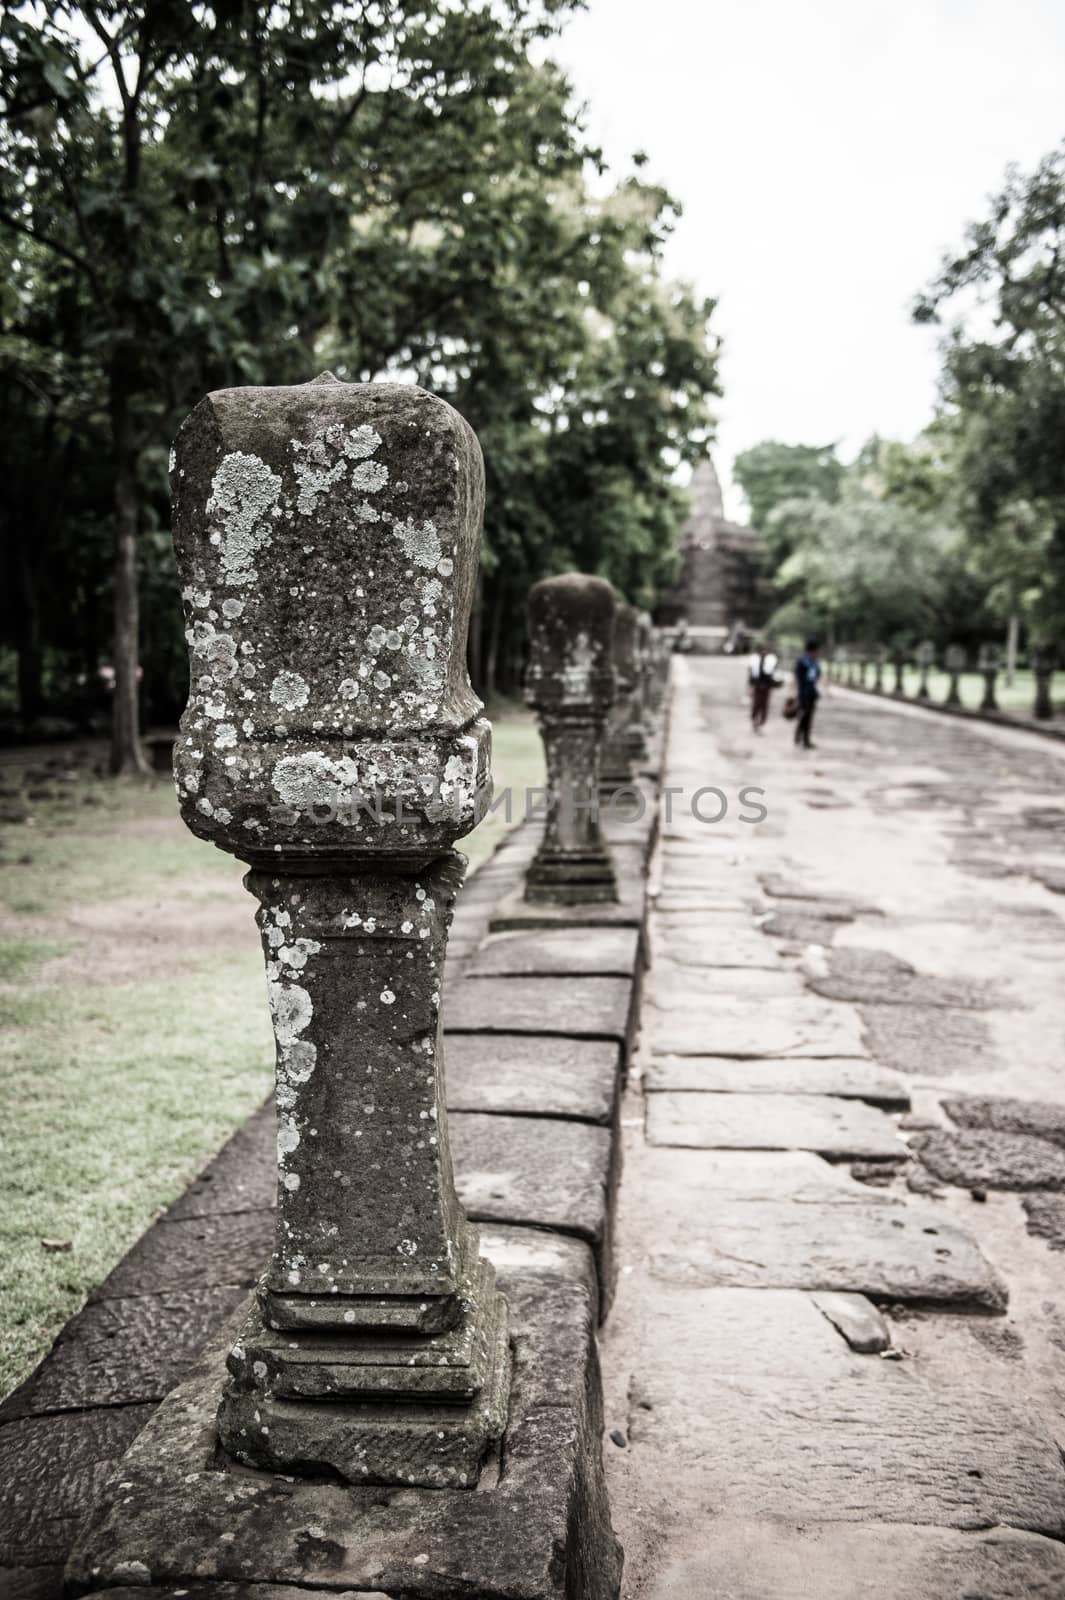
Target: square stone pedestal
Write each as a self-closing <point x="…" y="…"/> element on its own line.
<point x="179" y="1514"/>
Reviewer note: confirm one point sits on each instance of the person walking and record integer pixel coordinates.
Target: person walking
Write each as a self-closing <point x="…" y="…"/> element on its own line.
<point x="762" y="680"/>
<point x="807" y="674"/>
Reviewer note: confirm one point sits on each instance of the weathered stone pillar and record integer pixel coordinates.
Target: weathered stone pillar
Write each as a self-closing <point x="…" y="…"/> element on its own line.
<point x="1044" y="660"/>
<point x="863" y="664"/>
<point x="643" y="717"/>
<point x="570" y="684"/>
<point x="989" y="661"/>
<point x="898" y="664"/>
<point x="879" y="662"/>
<point x="327" y="536"/>
<point x="619" y="751"/>
<point x="926" y="656"/>
<point x="954" y="661"/>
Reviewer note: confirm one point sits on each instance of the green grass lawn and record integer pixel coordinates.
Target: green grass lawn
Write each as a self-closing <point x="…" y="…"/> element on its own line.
<point x="134" y="1035"/>
<point x="1018" y="696"/>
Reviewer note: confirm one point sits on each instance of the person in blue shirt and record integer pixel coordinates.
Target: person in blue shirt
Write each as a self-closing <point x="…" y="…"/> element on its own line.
<point x="807" y="673"/>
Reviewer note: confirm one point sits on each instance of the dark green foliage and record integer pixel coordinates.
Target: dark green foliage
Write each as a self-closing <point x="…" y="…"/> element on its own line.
<point x="1004" y="387"/>
<point x="195" y="196"/>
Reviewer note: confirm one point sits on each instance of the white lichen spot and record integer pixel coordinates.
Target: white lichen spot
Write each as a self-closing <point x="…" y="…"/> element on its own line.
<point x="420" y="541"/>
<point x="288" y="1137"/>
<point x="387" y="997"/>
<point x="225" y="736"/>
<point x="290" y="691"/>
<point x="244" y="493"/>
<point x="232" y="609"/>
<point x="369" y="476"/>
<point x="291" y="1008"/>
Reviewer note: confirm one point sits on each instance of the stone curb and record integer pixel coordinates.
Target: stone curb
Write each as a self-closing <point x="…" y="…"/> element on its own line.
<point x="536" y="1154"/>
<point x="998" y="719"/>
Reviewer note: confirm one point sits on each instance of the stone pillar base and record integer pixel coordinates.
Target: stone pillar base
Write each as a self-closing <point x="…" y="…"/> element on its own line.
<point x="371" y="1408"/>
<point x="571" y="878"/>
<point x="178" y="1514"/>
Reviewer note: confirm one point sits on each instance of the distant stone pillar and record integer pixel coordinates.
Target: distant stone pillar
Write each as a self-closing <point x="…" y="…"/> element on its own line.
<point x="570" y="685"/>
<point x="863" y="664"/>
<point x="989" y="662"/>
<point x="618" y="752"/>
<point x="954" y="661"/>
<point x="327" y="536"/>
<point x="898" y="663"/>
<point x="926" y="656"/>
<point x="1044" y="660"/>
<point x="879" y="663"/>
<point x="642" y="727"/>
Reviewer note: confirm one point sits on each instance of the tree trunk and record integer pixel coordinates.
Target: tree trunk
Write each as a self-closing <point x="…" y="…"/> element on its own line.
<point x="28" y="643"/>
<point x="127" y="754"/>
<point x="1012" y="632"/>
<point x="491" y="662"/>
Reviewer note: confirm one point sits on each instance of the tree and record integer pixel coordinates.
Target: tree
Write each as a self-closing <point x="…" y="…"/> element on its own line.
<point x="772" y="473"/>
<point x="1004" y="383"/>
<point x="887" y="561"/>
<point x="196" y="196"/>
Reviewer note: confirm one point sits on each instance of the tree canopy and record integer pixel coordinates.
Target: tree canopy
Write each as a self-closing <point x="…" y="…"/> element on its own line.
<point x="195" y="196"/>
<point x="1002" y="296"/>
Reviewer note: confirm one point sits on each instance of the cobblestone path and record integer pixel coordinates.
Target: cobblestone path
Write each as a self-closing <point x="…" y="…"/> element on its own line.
<point x="835" y="1364"/>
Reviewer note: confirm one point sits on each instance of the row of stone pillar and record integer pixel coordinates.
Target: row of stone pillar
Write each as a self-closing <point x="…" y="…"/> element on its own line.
<point x="851" y="667"/>
<point x="327" y="538"/>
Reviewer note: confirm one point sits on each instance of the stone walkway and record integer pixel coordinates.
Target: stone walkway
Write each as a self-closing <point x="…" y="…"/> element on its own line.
<point x="834" y="1364"/>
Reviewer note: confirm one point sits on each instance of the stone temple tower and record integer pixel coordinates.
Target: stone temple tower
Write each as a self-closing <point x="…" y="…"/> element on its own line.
<point x="722" y="562"/>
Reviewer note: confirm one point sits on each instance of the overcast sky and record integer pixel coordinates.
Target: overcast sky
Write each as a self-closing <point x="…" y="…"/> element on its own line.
<point x="826" y="154"/>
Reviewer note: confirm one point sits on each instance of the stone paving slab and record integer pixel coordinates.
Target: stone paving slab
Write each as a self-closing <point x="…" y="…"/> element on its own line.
<point x="1045" y="1218"/>
<point x="194" y="1253"/>
<point x="800" y="930"/>
<point x="741" y="1333"/>
<point x="857" y="1080"/>
<point x="579" y="1008"/>
<point x="555" y="952"/>
<point x="879" y="1444"/>
<point x="716" y="941"/>
<point x="927" y="1041"/>
<point x="1042" y="1118"/>
<point x="520" y="1074"/>
<point x="878" y="977"/>
<point x="124" y="1352"/>
<point x="241" y="1177"/>
<point x="771" y="1027"/>
<point x="682" y="988"/>
<point x="982" y="1158"/>
<point x="41" y="1506"/>
<point x="539" y="1173"/>
<point x="886" y="1252"/>
<point x="822" y="1123"/>
<point x="771" y="1560"/>
<point x="684" y="1187"/>
<point x="542" y="1529"/>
